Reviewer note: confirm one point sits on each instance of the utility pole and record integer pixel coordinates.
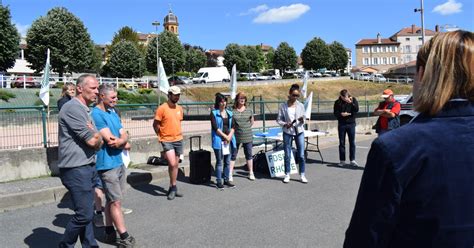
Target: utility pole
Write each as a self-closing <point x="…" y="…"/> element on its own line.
<point x="156" y="24"/>
<point x="422" y="10"/>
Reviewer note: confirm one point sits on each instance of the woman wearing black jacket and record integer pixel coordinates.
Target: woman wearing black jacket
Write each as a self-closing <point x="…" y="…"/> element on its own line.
<point x="345" y="110"/>
<point x="68" y="92"/>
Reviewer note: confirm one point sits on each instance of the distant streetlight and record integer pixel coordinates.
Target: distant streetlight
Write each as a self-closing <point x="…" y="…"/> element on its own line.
<point x="421" y="10"/>
<point x="172" y="66"/>
<point x="156" y="24"/>
<point x="406" y="73"/>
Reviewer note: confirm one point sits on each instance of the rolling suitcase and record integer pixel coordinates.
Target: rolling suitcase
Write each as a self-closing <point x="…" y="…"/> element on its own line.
<point x="199" y="163"/>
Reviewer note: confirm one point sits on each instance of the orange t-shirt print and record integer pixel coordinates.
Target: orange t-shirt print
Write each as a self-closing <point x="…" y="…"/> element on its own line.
<point x="170" y="123"/>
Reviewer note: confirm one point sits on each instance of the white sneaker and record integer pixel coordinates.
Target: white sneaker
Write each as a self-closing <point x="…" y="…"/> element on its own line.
<point x="126" y="210"/>
<point x="354" y="163"/>
<point x="286" y="179"/>
<point x="303" y="179"/>
<point x="342" y="163"/>
<point x="231" y="178"/>
<point x="251" y="176"/>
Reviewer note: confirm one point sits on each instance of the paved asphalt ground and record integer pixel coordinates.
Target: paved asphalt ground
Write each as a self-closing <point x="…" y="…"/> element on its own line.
<point x="263" y="213"/>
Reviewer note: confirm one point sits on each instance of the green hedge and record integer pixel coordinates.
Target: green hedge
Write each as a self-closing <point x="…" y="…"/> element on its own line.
<point x="5" y="96"/>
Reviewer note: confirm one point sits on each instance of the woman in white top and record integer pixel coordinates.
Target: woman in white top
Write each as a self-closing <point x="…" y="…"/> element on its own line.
<point x="291" y="119"/>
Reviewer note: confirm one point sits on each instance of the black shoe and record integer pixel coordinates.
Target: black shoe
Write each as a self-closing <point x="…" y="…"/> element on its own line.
<point x="229" y="184"/>
<point x="171" y="195"/>
<point x="220" y="185"/>
<point x="125" y="243"/>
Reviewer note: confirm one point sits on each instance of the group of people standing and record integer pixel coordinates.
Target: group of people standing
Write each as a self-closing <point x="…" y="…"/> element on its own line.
<point x="416" y="190"/>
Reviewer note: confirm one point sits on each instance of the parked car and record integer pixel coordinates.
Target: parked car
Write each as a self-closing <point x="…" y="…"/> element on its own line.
<point x="364" y="76"/>
<point x="376" y="77"/>
<point x="316" y="74"/>
<point x="406" y="111"/>
<point x="29" y="82"/>
<point x="174" y="80"/>
<point x="129" y="85"/>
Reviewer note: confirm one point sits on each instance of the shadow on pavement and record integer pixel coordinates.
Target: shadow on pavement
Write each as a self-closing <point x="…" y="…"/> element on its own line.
<point x="43" y="237"/>
<point x="151" y="189"/>
<point x="346" y="166"/>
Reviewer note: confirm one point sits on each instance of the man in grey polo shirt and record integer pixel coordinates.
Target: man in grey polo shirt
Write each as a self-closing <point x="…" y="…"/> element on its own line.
<point x="78" y="142"/>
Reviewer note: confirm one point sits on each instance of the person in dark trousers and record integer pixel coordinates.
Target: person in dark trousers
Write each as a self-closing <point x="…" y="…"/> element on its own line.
<point x="78" y="142"/>
<point x="388" y="112"/>
<point x="223" y="140"/>
<point x="417" y="189"/>
<point x="68" y="92"/>
<point x="345" y="110"/>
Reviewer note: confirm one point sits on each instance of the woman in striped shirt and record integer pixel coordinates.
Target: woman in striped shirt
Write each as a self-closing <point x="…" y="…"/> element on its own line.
<point x="242" y="124"/>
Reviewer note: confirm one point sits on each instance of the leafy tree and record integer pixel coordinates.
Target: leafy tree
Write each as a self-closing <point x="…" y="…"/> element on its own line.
<point x="234" y="54"/>
<point x="269" y="58"/>
<point x="9" y="40"/>
<point x="316" y="54"/>
<point x="261" y="65"/>
<point x="285" y="57"/>
<point x="339" y="55"/>
<point x="127" y="33"/>
<point x="125" y="60"/>
<point x="195" y="59"/>
<point x="66" y="36"/>
<point x="252" y="58"/>
<point x="171" y="52"/>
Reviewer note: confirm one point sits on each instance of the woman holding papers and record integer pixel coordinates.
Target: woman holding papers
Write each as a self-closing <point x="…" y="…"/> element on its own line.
<point x="291" y="119"/>
<point x="417" y="189"/>
<point x="223" y="139"/>
<point x="243" y="122"/>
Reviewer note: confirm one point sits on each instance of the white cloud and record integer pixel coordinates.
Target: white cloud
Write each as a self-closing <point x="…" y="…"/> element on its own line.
<point x="282" y="14"/>
<point x="257" y="9"/>
<point x="22" y="29"/>
<point x="449" y="7"/>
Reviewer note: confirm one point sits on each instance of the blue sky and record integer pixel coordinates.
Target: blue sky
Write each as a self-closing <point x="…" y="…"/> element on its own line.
<point x="213" y="24"/>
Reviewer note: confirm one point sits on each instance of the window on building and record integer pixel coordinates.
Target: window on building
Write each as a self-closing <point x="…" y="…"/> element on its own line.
<point x="407" y="49"/>
<point x="384" y="61"/>
<point x="365" y="61"/>
<point x="407" y="39"/>
<point x="393" y="61"/>
<point x="376" y="61"/>
<point x="365" y="49"/>
<point x="395" y="49"/>
<point x="420" y="38"/>
<point x="408" y="59"/>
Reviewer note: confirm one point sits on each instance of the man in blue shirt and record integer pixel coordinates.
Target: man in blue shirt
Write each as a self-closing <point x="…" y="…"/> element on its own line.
<point x="110" y="166"/>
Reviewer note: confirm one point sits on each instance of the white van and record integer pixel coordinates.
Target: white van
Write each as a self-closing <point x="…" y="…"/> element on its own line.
<point x="212" y="74"/>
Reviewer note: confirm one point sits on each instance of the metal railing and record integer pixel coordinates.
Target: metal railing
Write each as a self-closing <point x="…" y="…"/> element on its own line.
<point x="33" y="127"/>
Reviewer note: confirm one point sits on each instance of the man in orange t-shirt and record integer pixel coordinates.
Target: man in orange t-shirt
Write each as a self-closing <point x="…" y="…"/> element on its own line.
<point x="167" y="126"/>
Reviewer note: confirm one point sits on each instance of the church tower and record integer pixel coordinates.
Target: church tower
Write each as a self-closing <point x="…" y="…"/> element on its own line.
<point x="171" y="23"/>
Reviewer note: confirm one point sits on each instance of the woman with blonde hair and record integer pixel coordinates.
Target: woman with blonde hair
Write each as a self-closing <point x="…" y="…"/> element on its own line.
<point x="417" y="189"/>
<point x="243" y="122"/>
<point x="68" y="92"/>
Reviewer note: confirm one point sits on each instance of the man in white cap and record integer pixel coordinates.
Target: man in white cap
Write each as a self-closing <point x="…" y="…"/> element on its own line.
<point x="167" y="126"/>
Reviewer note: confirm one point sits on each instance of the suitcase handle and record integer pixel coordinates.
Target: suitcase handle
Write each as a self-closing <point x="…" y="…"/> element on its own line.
<point x="191" y="142"/>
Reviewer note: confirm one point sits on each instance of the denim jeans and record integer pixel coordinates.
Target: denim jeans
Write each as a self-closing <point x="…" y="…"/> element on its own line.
<point x="80" y="182"/>
<point x="348" y="129"/>
<point x="287" y="144"/>
<point x="222" y="163"/>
